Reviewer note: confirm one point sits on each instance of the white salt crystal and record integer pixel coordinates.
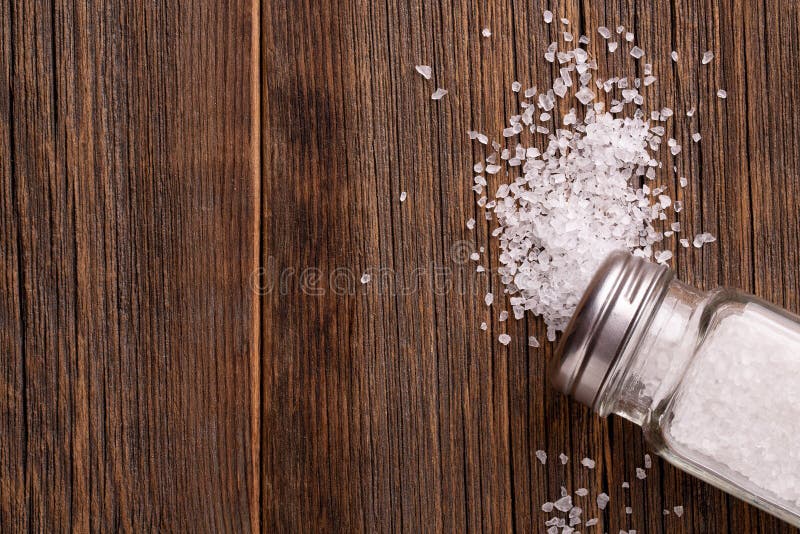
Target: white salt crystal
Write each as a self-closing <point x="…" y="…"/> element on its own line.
<point x="516" y="86"/>
<point x="548" y="16"/>
<point x="474" y="256"/>
<point x="564" y="504"/>
<point x="541" y="456"/>
<point x="648" y="462"/>
<point x="677" y="206"/>
<point x="470" y="223"/>
<point x="629" y="37"/>
<point x="365" y="278"/>
<point x="628" y="510"/>
<point x="604" y="32"/>
<point x="685" y="243"/>
<point x="683" y="181"/>
<point x="486" y="32"/>
<point x="533" y="342"/>
<point x="568" y="37"/>
<point x="530" y="91"/>
<point x="504" y="339"/>
<point x="588" y="463"/>
<point x="564" y="458"/>
<point x="503" y="316"/>
<point x="425" y="71"/>
<point x="612" y="46"/>
<point x="480" y="269"/>
<point x="403" y="196"/>
<point x="591" y="522"/>
<point x="702" y="239"/>
<point x="707" y="57"/>
<point x="493" y="169"/>
<point x="637" y="52"/>
<point x="722" y="93"/>
<point x="438" y="94"/>
<point x="620" y="29"/>
<point x="674" y="55"/>
<point x="547" y="507"/>
<point x="626" y="485"/>
<point x="583" y="39"/>
<point x="602" y="501"/>
<point x="678" y="510"/>
<point x="488" y="299"/>
<point x="690" y="112"/>
<point x="696" y="137"/>
<point x="581" y="492"/>
<point x="640" y="473"/>
<point x="663" y="257"/>
<point x="666" y="512"/>
<point x="676" y="227"/>
<point x="565" y="21"/>
<point x="585" y="95"/>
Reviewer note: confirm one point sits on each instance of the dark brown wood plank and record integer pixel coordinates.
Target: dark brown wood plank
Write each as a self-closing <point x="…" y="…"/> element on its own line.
<point x="131" y="383"/>
<point x="387" y="409"/>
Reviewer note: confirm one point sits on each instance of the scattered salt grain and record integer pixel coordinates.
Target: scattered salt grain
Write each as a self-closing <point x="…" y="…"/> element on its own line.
<point x="470" y="223"/>
<point x="533" y="342"/>
<point x="677" y="206"/>
<point x="685" y="243"/>
<point x="568" y="37"/>
<point x="591" y="522"/>
<point x="637" y="52"/>
<point x="707" y="57"/>
<point x="629" y="37"/>
<point x="690" y="112"/>
<point x="602" y="501"/>
<point x="683" y="181"/>
<point x="612" y="46"/>
<point x="403" y="196"/>
<point x="365" y="278"/>
<point x="548" y="16"/>
<point x="666" y="512"/>
<point x="678" y="510"/>
<point x="722" y="93"/>
<point x="541" y="456"/>
<point x="486" y="32"/>
<point x="581" y="492"/>
<point x="588" y="463"/>
<point x="628" y="510"/>
<point x="480" y="269"/>
<point x="484" y="326"/>
<point x="626" y="485"/>
<point x="438" y="94"/>
<point x="640" y="473"/>
<point x="547" y="507"/>
<point x="663" y="257"/>
<point x="516" y="86"/>
<point x="674" y="55"/>
<point x="425" y="71"/>
<point x="696" y="137"/>
<point x="565" y="21"/>
<point x="620" y="29"/>
<point x="475" y="256"/>
<point x="702" y="239"/>
<point x="648" y="462"/>
<point x="604" y="32"/>
<point x="564" y="458"/>
<point x="488" y="299"/>
<point x="503" y="316"/>
<point x="564" y="504"/>
<point x="504" y="339"/>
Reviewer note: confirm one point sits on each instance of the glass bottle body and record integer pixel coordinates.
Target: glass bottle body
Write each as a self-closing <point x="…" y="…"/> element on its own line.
<point x="714" y="381"/>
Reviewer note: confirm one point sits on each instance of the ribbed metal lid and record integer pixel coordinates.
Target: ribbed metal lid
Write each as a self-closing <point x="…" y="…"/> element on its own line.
<point x="623" y="291"/>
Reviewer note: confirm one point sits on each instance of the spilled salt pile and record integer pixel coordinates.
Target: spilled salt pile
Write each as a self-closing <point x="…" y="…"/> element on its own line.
<point x="585" y="193"/>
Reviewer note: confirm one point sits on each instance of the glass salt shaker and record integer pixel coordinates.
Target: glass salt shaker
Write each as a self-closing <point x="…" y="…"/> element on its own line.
<point x="713" y="378"/>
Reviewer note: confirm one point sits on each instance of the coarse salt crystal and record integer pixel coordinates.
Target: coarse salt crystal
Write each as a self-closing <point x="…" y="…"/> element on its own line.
<point x="470" y="223"/>
<point x="629" y="37"/>
<point x="548" y="16"/>
<point x="581" y="492"/>
<point x="696" y="137"/>
<point x="602" y="501"/>
<point x="475" y="256"/>
<point x="722" y="93"/>
<point x="533" y="342"/>
<point x="674" y="55"/>
<point x="438" y="94"/>
<point x="488" y="299"/>
<point x="484" y="326"/>
<point x="612" y="46"/>
<point x="403" y="196"/>
<point x="640" y="473"/>
<point x="707" y="57"/>
<point x="563" y="458"/>
<point x="588" y="463"/>
<point x="504" y="339"/>
<point x="541" y="456"/>
<point x="637" y="52"/>
<point x="486" y="32"/>
<point x="564" y="504"/>
<point x="516" y="86"/>
<point x="678" y="510"/>
<point x="648" y="462"/>
<point x="425" y="71"/>
<point x="604" y="32"/>
<point x="365" y="278"/>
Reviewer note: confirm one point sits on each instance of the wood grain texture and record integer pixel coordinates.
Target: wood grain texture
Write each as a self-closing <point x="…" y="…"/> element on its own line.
<point x="385" y="407"/>
<point x="128" y="217"/>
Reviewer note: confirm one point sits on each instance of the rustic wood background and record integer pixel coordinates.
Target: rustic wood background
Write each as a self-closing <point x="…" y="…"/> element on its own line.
<point x="191" y="190"/>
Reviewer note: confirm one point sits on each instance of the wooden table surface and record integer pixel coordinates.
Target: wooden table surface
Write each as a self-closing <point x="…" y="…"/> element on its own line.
<point x="191" y="191"/>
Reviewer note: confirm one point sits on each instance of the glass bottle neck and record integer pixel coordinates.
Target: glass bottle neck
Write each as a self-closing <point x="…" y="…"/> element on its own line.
<point x="653" y="362"/>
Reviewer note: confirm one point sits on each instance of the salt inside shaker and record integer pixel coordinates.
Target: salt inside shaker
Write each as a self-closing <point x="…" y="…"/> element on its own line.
<point x="713" y="378"/>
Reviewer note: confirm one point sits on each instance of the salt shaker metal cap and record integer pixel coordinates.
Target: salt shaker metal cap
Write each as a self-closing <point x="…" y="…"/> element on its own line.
<point x="623" y="292"/>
